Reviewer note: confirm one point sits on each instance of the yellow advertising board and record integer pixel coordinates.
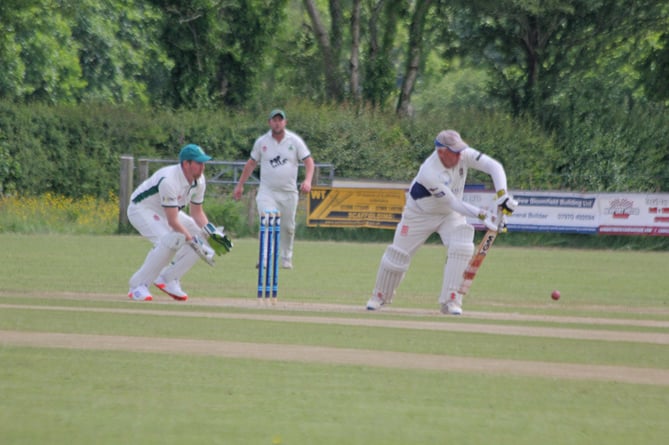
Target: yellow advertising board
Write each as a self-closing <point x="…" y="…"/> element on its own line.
<point x="355" y="207"/>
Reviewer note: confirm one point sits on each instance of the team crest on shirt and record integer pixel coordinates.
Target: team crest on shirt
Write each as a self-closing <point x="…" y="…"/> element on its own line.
<point x="434" y="191"/>
<point x="404" y="231"/>
<point x="277" y="161"/>
<point x="264" y="148"/>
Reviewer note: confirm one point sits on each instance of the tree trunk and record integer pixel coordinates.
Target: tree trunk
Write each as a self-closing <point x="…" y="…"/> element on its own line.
<point x="333" y="85"/>
<point x="414" y="56"/>
<point x="355" y="50"/>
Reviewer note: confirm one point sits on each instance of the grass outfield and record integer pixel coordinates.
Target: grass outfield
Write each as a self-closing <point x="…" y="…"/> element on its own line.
<point x="82" y="364"/>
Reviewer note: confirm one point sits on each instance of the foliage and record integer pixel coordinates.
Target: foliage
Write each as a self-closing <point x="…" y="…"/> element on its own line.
<point x="280" y="83"/>
<point x="120" y="58"/>
<point x="38" y="53"/>
<point x="211" y="53"/>
<point x="379" y="73"/>
<point x="360" y="143"/>
<point x="215" y="46"/>
<point x="623" y="149"/>
<point x="10" y="171"/>
<point x="654" y="70"/>
<point x="75" y="150"/>
<point x="51" y="213"/>
<point x="72" y="150"/>
<point x="224" y="211"/>
<point x="531" y="49"/>
<point x="464" y="87"/>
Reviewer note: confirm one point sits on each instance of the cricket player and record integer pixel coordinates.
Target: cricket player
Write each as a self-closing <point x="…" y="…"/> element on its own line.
<point x="434" y="205"/>
<point x="279" y="153"/>
<point x="156" y="212"/>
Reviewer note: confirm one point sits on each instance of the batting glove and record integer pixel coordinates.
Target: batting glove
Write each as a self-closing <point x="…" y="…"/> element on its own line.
<point x="491" y="220"/>
<point x="506" y="202"/>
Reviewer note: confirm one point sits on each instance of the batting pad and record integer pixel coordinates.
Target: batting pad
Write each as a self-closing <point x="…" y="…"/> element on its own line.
<point x="392" y="269"/>
<point x="158" y="258"/>
<point x="460" y="251"/>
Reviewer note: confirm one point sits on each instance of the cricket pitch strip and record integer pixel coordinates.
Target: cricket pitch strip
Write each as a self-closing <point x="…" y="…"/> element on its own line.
<point x="286" y="312"/>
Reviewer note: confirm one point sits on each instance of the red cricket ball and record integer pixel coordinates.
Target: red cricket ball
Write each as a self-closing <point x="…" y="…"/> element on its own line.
<point x="555" y="295"/>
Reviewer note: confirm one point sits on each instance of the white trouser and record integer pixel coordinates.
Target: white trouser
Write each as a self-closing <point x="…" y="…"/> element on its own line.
<point x="286" y="203"/>
<point x="415" y="227"/>
<point x="456" y="235"/>
<point x="153" y="226"/>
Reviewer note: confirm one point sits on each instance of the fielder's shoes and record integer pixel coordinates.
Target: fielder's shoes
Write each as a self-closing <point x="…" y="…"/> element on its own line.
<point x="286" y="263"/>
<point x="375" y="303"/>
<point x="453" y="306"/>
<point x="140" y="293"/>
<point x="171" y="288"/>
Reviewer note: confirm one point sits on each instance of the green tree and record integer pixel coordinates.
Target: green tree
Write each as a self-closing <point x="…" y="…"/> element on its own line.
<point x="534" y="48"/>
<point x="654" y="69"/>
<point x="380" y="72"/>
<point x="218" y="48"/>
<point x="369" y="69"/>
<point x="38" y="53"/>
<point x="415" y="55"/>
<point x="330" y="45"/>
<point x="120" y="57"/>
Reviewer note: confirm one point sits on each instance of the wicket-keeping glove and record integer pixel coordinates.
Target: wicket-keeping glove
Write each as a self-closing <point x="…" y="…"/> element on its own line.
<point x="205" y="252"/>
<point x="506" y="202"/>
<point x="218" y="240"/>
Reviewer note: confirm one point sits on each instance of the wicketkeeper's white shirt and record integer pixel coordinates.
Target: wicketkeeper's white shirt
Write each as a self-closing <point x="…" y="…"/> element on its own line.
<point x="168" y="187"/>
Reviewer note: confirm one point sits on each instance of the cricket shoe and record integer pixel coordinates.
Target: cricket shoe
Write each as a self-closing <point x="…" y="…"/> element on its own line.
<point x="375" y="303"/>
<point x="286" y="264"/>
<point x="453" y="306"/>
<point x="171" y="288"/>
<point x="140" y="293"/>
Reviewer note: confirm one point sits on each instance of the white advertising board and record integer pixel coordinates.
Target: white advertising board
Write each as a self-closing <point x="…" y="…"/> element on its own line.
<point x="593" y="213"/>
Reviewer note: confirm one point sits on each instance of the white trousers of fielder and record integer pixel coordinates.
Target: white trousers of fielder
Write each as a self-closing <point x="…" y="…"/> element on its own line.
<point x="286" y="204"/>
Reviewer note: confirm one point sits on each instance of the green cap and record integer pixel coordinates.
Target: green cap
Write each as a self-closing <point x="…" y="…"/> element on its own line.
<point x="192" y="152"/>
<point x="277" y="112"/>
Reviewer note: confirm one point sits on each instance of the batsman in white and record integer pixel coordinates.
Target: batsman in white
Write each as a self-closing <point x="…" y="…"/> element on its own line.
<point x="279" y="153"/>
<point x="434" y="205"/>
<point x="156" y="212"/>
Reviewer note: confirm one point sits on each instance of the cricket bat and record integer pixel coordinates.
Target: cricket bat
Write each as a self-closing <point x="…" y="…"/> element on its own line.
<point x="479" y="255"/>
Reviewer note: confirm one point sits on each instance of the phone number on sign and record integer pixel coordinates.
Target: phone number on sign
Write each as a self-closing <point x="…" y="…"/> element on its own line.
<point x="572" y="217"/>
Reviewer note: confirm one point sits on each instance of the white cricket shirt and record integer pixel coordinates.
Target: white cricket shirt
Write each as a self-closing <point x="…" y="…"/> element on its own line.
<point x="168" y="187"/>
<point x="445" y="186"/>
<point x="279" y="161"/>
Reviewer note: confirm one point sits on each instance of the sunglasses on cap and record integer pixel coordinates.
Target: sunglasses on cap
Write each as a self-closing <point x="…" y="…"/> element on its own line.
<point x="440" y="145"/>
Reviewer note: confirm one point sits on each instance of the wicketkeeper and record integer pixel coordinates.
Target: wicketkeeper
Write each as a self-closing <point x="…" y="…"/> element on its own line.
<point x="179" y="239"/>
<point x="434" y="205"/>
